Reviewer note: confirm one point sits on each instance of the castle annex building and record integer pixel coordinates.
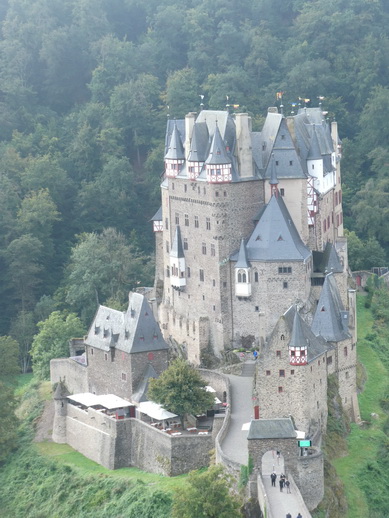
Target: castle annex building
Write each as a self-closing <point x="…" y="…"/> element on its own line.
<point x="250" y="252"/>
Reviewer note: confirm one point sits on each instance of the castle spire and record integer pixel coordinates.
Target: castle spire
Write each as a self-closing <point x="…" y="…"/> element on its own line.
<point x="298" y="353"/>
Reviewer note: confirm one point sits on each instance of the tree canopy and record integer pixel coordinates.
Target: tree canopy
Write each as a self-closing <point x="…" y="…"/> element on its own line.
<point x="207" y="494"/>
<point x="52" y="340"/>
<point x="181" y="390"/>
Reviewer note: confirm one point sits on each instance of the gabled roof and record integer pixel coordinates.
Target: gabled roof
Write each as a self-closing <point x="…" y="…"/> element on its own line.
<point x="131" y="331"/>
<point x="314" y="152"/>
<point x="268" y="135"/>
<point x="330" y="313"/>
<point x="177" y="249"/>
<point x="217" y="152"/>
<point x="302" y="335"/>
<point x="275" y="237"/>
<point x="281" y="428"/>
<point x="140" y="393"/>
<point x="176" y="149"/>
<point x="242" y="261"/>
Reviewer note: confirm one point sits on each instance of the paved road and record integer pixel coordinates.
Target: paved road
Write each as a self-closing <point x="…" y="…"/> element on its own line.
<point x="235" y="443"/>
<point x="281" y="503"/>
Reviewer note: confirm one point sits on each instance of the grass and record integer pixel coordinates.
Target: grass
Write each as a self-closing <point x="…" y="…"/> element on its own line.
<point x="364" y="441"/>
<point x="67" y="456"/>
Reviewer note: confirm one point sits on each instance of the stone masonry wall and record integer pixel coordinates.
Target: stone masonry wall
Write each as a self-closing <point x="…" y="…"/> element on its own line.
<point x="310" y="478"/>
<point x="74" y="374"/>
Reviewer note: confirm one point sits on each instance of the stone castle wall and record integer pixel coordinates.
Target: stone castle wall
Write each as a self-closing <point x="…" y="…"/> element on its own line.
<point x="309" y="477"/>
<point x="74" y="374"/>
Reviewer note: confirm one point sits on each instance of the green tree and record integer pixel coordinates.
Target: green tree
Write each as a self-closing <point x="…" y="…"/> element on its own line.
<point x="102" y="266"/>
<point x="181" y="390"/>
<point x="9" y="353"/>
<point x="207" y="494"/>
<point x="52" y="340"/>
<point x="23" y="329"/>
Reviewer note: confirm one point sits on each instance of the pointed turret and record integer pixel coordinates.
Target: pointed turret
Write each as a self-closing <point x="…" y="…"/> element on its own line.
<point x="242" y="273"/>
<point x="198" y="145"/>
<point x="177" y="261"/>
<point x="298" y="350"/>
<point x="175" y="155"/>
<point x="218" y="164"/>
<point x="60" y="413"/>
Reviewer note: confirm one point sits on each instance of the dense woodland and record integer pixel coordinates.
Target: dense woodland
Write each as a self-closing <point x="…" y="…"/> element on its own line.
<point x="85" y="90"/>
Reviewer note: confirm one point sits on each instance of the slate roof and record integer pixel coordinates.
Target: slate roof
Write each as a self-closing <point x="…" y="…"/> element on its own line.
<point x="281" y="428"/>
<point x="158" y="215"/>
<point x="302" y="335"/>
<point x="242" y="261"/>
<point x="275" y="237"/>
<point x="330" y="313"/>
<point x="313" y="135"/>
<point x="171" y="124"/>
<point x="217" y="152"/>
<point x="287" y="160"/>
<point x="140" y="393"/>
<point x="199" y="143"/>
<point x="177" y="249"/>
<point x="327" y="261"/>
<point x="131" y="331"/>
<point x="175" y="149"/>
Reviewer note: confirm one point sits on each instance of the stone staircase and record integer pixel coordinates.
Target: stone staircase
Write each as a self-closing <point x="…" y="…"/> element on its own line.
<point x="248" y="369"/>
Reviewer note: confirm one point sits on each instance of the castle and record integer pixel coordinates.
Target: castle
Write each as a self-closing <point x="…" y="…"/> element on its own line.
<point x="251" y="252"/>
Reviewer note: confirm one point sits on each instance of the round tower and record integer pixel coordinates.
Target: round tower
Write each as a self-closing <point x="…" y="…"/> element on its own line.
<point x="60" y="413"/>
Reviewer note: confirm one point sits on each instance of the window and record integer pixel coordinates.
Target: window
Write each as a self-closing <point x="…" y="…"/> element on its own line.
<point x="313" y="166"/>
<point x="213" y="251"/>
<point x="282" y="337"/>
<point x="280" y="389"/>
<point x="293" y="354"/>
<point x="208" y="223"/>
<point x="167" y="246"/>
<point x="106" y="357"/>
<point x="282" y="373"/>
<point x="185" y="188"/>
<point x="285" y="285"/>
<point x="290" y="162"/>
<point x="166" y="224"/>
<point x="214" y="308"/>
<point x="292" y="372"/>
<point x="329" y="360"/>
<point x="217" y="194"/>
<point x="256" y="276"/>
<point x="204" y="248"/>
<point x="173" y="184"/>
<point x="282" y="137"/>
<point x="267" y="373"/>
<point x="256" y="308"/>
<point x="185" y="243"/>
<point x="91" y="351"/>
<point x="284" y="269"/>
<point x="124" y="376"/>
<point x="177" y="218"/>
<point x="167" y="271"/>
<point x="196" y="221"/>
<point x="278" y="354"/>
<point x="276" y="162"/>
<point x="345" y="351"/>
<point x="225" y="194"/>
<point x="324" y="225"/>
<point x="282" y="192"/>
<point x="186" y="220"/>
<point x="213" y="282"/>
<point x="201" y="274"/>
<point x="242" y="277"/>
<point x="188" y="272"/>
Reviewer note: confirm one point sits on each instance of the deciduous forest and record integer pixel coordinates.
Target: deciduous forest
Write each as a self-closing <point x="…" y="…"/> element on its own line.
<point x="85" y="90"/>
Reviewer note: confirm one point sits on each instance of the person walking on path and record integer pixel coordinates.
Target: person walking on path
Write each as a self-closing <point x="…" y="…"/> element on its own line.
<point x="273" y="477"/>
<point x="299" y="516"/>
<point x="288" y="515"/>
<point x="281" y="484"/>
<point x="287" y="485"/>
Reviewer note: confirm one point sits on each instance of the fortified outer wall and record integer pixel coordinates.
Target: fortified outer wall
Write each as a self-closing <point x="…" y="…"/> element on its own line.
<point x="310" y="477"/>
<point x="93" y="434"/>
<point x="74" y="374"/>
<point x="129" y="442"/>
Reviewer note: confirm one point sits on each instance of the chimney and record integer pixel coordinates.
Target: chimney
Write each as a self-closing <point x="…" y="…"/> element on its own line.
<point x="189" y="123"/>
<point x="244" y="151"/>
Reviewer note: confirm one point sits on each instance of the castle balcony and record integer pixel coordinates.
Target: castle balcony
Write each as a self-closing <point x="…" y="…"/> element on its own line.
<point x="243" y="289"/>
<point x="177" y="282"/>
